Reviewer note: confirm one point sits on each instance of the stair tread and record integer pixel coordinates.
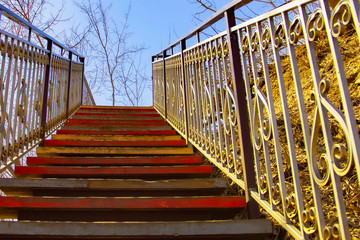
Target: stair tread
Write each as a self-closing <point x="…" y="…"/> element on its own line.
<point x="119" y="108"/>
<point x="114" y="114"/>
<point x="115" y="123"/>
<point x="114" y="143"/>
<point x="97" y="137"/>
<point x="237" y="228"/>
<point x="121" y="132"/>
<point x="116" y="128"/>
<point x="116" y="117"/>
<point x="145" y="160"/>
<point x="53" y="151"/>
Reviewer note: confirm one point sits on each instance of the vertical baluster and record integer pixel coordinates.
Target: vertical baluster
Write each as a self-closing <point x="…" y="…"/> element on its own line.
<point x="82" y="60"/>
<point x="14" y="82"/>
<point x="69" y="85"/>
<point x="46" y="91"/>
<point x="244" y="50"/>
<point x="223" y="97"/>
<point x="32" y="102"/>
<point x="184" y="92"/>
<point x="304" y="123"/>
<point x="4" y="85"/>
<point x="247" y="157"/>
<point x="164" y="85"/>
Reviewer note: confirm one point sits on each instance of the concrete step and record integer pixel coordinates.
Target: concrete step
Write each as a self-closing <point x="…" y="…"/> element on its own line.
<point x="121" y="208"/>
<point x="142" y="172"/>
<point x="128" y="127"/>
<point x="111" y="108"/>
<point x="130" y="122"/>
<point x="115" y="161"/>
<point x="50" y="151"/>
<point x="116" y="114"/>
<point x="210" y="230"/>
<point x="112" y="187"/>
<point x="94" y="137"/>
<point x="121" y="132"/>
<point x="93" y="143"/>
<point x="117" y="117"/>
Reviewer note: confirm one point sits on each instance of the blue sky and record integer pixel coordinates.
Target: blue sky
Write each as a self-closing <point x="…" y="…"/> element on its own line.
<point x="154" y="24"/>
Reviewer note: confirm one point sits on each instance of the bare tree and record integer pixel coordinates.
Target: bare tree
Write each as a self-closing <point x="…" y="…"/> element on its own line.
<point x="133" y="82"/>
<point x="110" y="40"/>
<point x="34" y="11"/>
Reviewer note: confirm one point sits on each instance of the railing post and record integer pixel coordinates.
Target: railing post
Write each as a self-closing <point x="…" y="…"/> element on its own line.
<point x="164" y="76"/>
<point x="247" y="157"/>
<point x="68" y="87"/>
<point x="46" y="92"/>
<point x="82" y="60"/>
<point x="183" y="47"/>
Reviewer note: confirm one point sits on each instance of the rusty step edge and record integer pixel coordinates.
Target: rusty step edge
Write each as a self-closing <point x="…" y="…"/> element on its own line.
<point x="128" y="203"/>
<point x="111" y="230"/>
<point x="134" y="132"/>
<point x="112" y="171"/>
<point x="158" y="160"/>
<point x="114" y="143"/>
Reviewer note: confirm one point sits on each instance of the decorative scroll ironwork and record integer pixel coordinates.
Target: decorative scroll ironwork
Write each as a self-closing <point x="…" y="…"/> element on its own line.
<point x="301" y="69"/>
<point x="87" y="97"/>
<point x="158" y="83"/>
<point x="22" y="82"/>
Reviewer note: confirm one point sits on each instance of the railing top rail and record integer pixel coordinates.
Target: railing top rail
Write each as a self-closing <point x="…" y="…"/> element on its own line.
<point x="207" y="23"/>
<point x="19" y="20"/>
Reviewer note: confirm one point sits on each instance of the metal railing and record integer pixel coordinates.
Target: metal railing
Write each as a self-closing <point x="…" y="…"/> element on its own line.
<point x="274" y="103"/>
<point x="39" y="90"/>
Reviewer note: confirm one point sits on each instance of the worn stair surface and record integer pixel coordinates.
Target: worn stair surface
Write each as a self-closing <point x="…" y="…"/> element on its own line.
<point x="120" y="173"/>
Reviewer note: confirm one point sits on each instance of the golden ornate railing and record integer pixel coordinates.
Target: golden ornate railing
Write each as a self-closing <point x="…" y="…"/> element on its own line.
<point x="39" y="90"/>
<point x="274" y="103"/>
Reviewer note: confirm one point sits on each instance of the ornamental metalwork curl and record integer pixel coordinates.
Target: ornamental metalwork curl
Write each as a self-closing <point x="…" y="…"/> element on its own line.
<point x="265" y="38"/>
<point x="254" y="42"/>
<point x="295" y="31"/>
<point x="340" y="18"/>
<point x="279" y="35"/>
<point x="245" y="44"/>
<point x="308" y="217"/>
<point x="315" y="24"/>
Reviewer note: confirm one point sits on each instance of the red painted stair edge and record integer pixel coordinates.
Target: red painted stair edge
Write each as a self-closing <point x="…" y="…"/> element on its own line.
<point x="114" y="160"/>
<point x="123" y="203"/>
<point x="127" y="171"/>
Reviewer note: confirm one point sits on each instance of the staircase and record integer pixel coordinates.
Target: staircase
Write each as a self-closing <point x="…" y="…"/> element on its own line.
<point x="120" y="173"/>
